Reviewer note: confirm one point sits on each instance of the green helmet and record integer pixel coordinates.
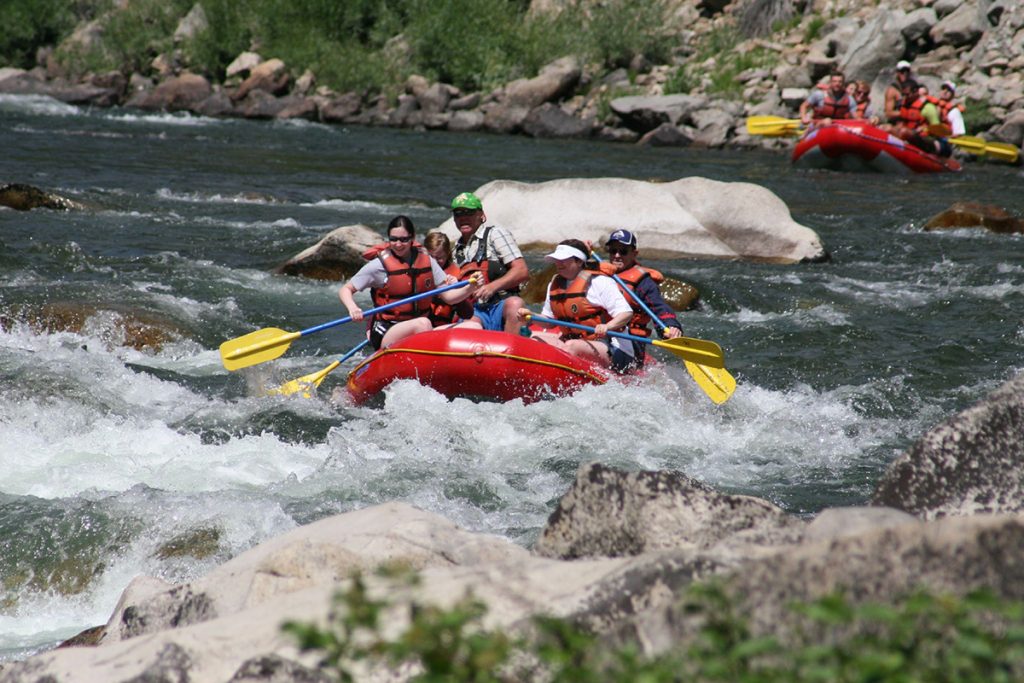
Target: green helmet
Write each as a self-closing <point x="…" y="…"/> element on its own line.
<point x="467" y="200"/>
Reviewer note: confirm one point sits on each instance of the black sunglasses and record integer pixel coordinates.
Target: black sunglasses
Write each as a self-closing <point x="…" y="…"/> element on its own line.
<point x="463" y="212"/>
<point x="619" y="251"/>
<point x="403" y="240"/>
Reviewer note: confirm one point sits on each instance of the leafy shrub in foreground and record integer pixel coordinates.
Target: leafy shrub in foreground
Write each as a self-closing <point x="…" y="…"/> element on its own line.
<point x="924" y="637"/>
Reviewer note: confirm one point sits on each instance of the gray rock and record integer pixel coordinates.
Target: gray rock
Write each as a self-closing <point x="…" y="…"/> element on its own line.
<point x="259" y="104"/>
<point x="919" y="23"/>
<point x="611" y="513"/>
<point x="470" y="101"/>
<point x="502" y="117"/>
<point x="277" y="669"/>
<point x="434" y="99"/>
<point x="972" y="463"/>
<point x="554" y="81"/>
<point x="551" y="121"/>
<point x="335" y="257"/>
<point x="26" y="197"/>
<point x="666" y="135"/>
<point x="192" y="24"/>
<point x="962" y="27"/>
<point x="217" y="104"/>
<point x="243" y="64"/>
<point x="877" y="45"/>
<point x="644" y="114"/>
<point x="270" y="77"/>
<point x="400" y="115"/>
<point x="1011" y="130"/>
<point x="184" y="92"/>
<point x="297" y="107"/>
<point x="340" y="109"/>
<point x="466" y="121"/>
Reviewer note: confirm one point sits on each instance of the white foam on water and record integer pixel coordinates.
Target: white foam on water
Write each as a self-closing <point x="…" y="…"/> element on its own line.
<point x="38" y="104"/>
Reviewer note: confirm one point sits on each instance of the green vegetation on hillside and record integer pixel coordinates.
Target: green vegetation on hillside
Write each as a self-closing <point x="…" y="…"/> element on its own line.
<point x="922" y="637"/>
<point x="357" y="44"/>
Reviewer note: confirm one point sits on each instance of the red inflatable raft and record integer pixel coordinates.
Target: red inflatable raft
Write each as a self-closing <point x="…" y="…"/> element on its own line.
<point x="859" y="146"/>
<point x="475" y="364"/>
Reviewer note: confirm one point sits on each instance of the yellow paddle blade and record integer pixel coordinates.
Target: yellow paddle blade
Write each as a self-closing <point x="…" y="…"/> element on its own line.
<point x="306" y="384"/>
<point x="773" y="126"/>
<point x="1003" y="151"/>
<point x="998" y="150"/>
<point x="256" y="347"/>
<point x="969" y="143"/>
<point x="717" y="383"/>
<point x="700" y="351"/>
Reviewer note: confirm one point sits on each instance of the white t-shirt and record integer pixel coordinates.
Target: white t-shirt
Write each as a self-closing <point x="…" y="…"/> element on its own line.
<point x="956" y="121"/>
<point x="605" y="293"/>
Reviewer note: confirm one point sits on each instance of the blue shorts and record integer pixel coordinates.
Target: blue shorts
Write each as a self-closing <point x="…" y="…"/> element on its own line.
<point x="491" y="315"/>
<point x="622" y="362"/>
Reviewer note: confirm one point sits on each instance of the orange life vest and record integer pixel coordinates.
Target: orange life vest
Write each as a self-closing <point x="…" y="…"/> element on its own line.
<point x="569" y="302"/>
<point x="862" y="108"/>
<point x="911" y="113"/>
<point x="638" y="325"/>
<point x="440" y="312"/>
<point x="946" y="106"/>
<point x="404" y="280"/>
<point x="833" y="108"/>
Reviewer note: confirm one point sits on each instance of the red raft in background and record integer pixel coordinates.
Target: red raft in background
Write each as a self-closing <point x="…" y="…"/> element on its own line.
<point x="475" y="364"/>
<point x="859" y="146"/>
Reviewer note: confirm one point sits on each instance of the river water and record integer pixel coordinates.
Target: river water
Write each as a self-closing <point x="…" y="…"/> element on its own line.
<point x="116" y="462"/>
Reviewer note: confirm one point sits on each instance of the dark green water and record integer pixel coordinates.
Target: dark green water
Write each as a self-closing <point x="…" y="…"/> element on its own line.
<point x="109" y="454"/>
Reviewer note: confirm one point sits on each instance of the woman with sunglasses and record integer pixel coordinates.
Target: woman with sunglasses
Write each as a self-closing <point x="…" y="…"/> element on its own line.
<point x="398" y="272"/>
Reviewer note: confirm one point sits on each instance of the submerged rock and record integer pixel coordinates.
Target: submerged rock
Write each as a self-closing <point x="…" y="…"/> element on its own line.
<point x="26" y="197"/>
<point x="976" y="215"/>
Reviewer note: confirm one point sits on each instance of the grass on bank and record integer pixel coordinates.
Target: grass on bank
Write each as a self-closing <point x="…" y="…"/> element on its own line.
<point x="370" y="45"/>
<point x="921" y="637"/>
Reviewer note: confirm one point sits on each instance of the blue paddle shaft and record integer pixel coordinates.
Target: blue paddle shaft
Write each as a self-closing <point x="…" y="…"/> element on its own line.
<point x="354" y="350"/>
<point x="563" y="323"/>
<point x="341" y="321"/>
<point x="633" y="295"/>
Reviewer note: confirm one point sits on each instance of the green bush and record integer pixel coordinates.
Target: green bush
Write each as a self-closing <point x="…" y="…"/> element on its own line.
<point x="28" y="25"/>
<point x="977" y="117"/>
<point x="923" y="637"/>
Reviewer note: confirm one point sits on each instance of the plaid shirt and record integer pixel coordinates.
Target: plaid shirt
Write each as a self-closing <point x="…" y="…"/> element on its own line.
<point x="501" y="246"/>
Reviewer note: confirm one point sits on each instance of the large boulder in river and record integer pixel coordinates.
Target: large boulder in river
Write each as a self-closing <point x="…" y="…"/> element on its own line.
<point x="972" y="463"/>
<point x="611" y="513"/>
<point x="335" y="257"/>
<point x="974" y="214"/>
<point x="693" y="217"/>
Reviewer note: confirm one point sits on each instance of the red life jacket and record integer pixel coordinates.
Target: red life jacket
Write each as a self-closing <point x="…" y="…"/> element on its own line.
<point x="569" y="303"/>
<point x="833" y="108"/>
<point x="440" y="312"/>
<point x="638" y="325"/>
<point x="911" y="113"/>
<point x="404" y="280"/>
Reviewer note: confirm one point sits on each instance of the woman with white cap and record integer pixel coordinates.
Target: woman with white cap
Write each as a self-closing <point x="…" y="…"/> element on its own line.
<point x="586" y="298"/>
<point x="952" y="112"/>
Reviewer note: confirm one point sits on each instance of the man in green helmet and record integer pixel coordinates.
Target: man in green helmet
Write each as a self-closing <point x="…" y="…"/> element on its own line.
<point x="491" y="250"/>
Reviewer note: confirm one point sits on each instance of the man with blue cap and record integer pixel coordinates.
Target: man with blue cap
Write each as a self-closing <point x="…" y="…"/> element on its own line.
<point x="491" y="250"/>
<point x="642" y="283"/>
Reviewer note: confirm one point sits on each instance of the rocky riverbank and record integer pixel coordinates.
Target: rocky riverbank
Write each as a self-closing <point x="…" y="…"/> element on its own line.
<point x="979" y="44"/>
<point x="618" y="553"/>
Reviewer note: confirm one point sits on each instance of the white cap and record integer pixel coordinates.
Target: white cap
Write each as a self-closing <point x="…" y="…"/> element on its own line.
<point x="902" y="64"/>
<point x="564" y="251"/>
<point x="951" y="85"/>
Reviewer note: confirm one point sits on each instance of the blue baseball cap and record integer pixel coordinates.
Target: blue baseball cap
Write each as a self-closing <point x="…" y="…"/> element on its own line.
<point x="623" y="236"/>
